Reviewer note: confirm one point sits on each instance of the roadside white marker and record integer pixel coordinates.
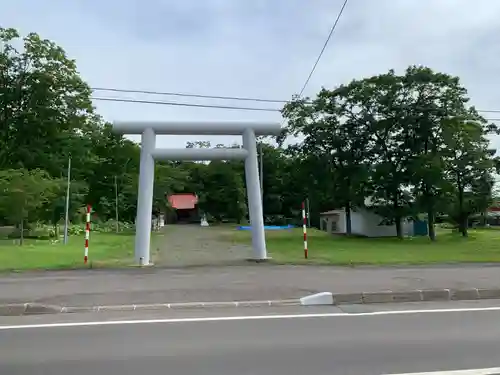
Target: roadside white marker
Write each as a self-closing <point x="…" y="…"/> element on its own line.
<point x="323" y="298"/>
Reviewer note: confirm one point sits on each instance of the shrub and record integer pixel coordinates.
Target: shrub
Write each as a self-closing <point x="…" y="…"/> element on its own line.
<point x="45" y="232"/>
<point x="446" y="226"/>
<point x="76" y="229"/>
<point x="35" y="231"/>
<point x="101" y="227"/>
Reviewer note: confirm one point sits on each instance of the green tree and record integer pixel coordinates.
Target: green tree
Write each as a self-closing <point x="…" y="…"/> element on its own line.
<point x="218" y="184"/>
<point x="112" y="170"/>
<point x="431" y="99"/>
<point x="23" y="192"/>
<point x="337" y="136"/>
<point x="168" y="179"/>
<point x="223" y="193"/>
<point x="54" y="210"/>
<point x="274" y="180"/>
<point x="380" y="101"/>
<point x="469" y="166"/>
<point x="46" y="106"/>
<point x="199" y="144"/>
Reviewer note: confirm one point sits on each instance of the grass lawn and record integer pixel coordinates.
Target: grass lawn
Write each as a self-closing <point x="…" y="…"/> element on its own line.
<point x="105" y="249"/>
<point x="483" y="245"/>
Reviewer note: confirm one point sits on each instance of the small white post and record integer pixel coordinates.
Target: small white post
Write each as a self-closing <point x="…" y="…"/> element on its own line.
<point x="66" y="216"/>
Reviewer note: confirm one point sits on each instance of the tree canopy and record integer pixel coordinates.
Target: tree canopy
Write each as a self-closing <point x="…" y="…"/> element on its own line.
<point x="402" y="145"/>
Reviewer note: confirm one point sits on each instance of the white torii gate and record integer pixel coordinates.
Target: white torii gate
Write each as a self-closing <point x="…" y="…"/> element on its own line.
<point x="149" y="153"/>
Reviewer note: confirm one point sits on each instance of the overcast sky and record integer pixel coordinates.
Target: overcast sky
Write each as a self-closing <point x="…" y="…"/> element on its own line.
<point x="260" y="48"/>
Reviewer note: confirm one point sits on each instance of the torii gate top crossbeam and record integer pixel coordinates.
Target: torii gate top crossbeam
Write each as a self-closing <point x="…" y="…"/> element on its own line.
<point x="199" y="153"/>
<point x="197" y="128"/>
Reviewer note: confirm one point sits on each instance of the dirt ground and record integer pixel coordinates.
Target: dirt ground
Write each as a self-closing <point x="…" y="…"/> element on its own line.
<point x="193" y="245"/>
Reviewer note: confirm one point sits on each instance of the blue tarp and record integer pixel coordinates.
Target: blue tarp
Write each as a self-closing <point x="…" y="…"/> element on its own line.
<point x="420" y="228"/>
<point x="268" y="227"/>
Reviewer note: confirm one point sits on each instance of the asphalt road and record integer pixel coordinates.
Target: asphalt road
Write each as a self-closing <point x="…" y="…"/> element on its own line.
<point x="340" y="345"/>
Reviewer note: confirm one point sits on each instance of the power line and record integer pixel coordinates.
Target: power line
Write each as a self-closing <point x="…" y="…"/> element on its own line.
<point x="167" y="93"/>
<point x="488" y="110"/>
<point x="138" y="101"/>
<point x="123" y="100"/>
<point x="222" y="97"/>
<point x="321" y="52"/>
<point x="324" y="47"/>
<point x="262" y="100"/>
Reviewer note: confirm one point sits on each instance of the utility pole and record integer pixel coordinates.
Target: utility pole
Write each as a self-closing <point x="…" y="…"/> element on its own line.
<point x="261" y="154"/>
<point x="117" y="225"/>
<point x="308" y="213"/>
<point x="116" y="206"/>
<point x="66" y="217"/>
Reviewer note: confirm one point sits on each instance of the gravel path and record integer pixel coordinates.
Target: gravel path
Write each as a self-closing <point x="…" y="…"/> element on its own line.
<point x="193" y="245"/>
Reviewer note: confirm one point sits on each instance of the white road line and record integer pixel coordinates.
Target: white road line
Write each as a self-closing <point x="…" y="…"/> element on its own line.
<point x="482" y="371"/>
<point x="245" y="317"/>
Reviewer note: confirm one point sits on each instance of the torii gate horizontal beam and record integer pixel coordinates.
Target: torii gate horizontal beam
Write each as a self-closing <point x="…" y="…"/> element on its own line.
<point x="199" y="154"/>
<point x="197" y="128"/>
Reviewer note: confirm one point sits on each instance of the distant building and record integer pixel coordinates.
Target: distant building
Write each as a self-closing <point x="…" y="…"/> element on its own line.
<point x="363" y="223"/>
<point x="493" y="215"/>
<point x="185" y="208"/>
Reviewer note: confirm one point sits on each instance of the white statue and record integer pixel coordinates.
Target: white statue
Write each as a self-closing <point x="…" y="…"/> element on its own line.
<point x="204" y="222"/>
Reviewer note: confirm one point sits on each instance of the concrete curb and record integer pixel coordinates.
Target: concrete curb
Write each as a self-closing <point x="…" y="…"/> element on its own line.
<point x="17" y="309"/>
<point x="39" y="309"/>
<point x="180" y="305"/>
<point x="419" y="295"/>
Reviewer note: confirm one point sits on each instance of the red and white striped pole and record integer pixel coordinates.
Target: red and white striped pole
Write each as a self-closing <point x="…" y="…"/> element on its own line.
<point x="304" y="228"/>
<point x="87" y="235"/>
